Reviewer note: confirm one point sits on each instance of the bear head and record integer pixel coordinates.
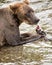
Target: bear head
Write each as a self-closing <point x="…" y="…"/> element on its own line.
<point x="24" y="12"/>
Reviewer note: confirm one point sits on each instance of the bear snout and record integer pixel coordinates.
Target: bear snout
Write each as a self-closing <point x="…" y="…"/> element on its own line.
<point x="37" y="21"/>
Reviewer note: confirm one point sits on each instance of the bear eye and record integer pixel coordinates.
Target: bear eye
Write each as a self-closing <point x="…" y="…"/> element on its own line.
<point x="29" y="11"/>
<point x="28" y="15"/>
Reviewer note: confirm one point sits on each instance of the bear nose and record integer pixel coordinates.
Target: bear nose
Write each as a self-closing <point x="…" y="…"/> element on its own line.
<point x="38" y="20"/>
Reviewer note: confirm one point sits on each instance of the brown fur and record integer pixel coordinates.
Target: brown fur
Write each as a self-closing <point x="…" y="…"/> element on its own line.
<point x="10" y="20"/>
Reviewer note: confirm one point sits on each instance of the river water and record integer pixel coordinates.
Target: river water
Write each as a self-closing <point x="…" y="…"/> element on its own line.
<point x="37" y="52"/>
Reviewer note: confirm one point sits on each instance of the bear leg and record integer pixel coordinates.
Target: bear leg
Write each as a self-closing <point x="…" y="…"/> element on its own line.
<point x="12" y="36"/>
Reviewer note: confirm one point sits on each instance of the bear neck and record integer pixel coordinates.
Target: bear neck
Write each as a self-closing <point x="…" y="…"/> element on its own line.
<point x="16" y="19"/>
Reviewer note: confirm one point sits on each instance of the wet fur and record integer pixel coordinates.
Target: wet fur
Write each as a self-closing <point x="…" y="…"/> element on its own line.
<point x="10" y="20"/>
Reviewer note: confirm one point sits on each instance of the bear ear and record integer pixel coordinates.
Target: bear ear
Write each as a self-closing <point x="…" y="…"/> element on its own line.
<point x="26" y="1"/>
<point x="13" y="8"/>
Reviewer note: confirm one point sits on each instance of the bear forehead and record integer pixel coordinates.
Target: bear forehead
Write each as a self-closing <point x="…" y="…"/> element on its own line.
<point x="25" y="8"/>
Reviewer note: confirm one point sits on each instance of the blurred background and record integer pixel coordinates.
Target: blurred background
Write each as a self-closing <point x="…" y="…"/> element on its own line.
<point x="37" y="52"/>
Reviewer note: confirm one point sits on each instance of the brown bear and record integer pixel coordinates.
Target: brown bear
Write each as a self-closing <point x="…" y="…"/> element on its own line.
<point x="10" y="19"/>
